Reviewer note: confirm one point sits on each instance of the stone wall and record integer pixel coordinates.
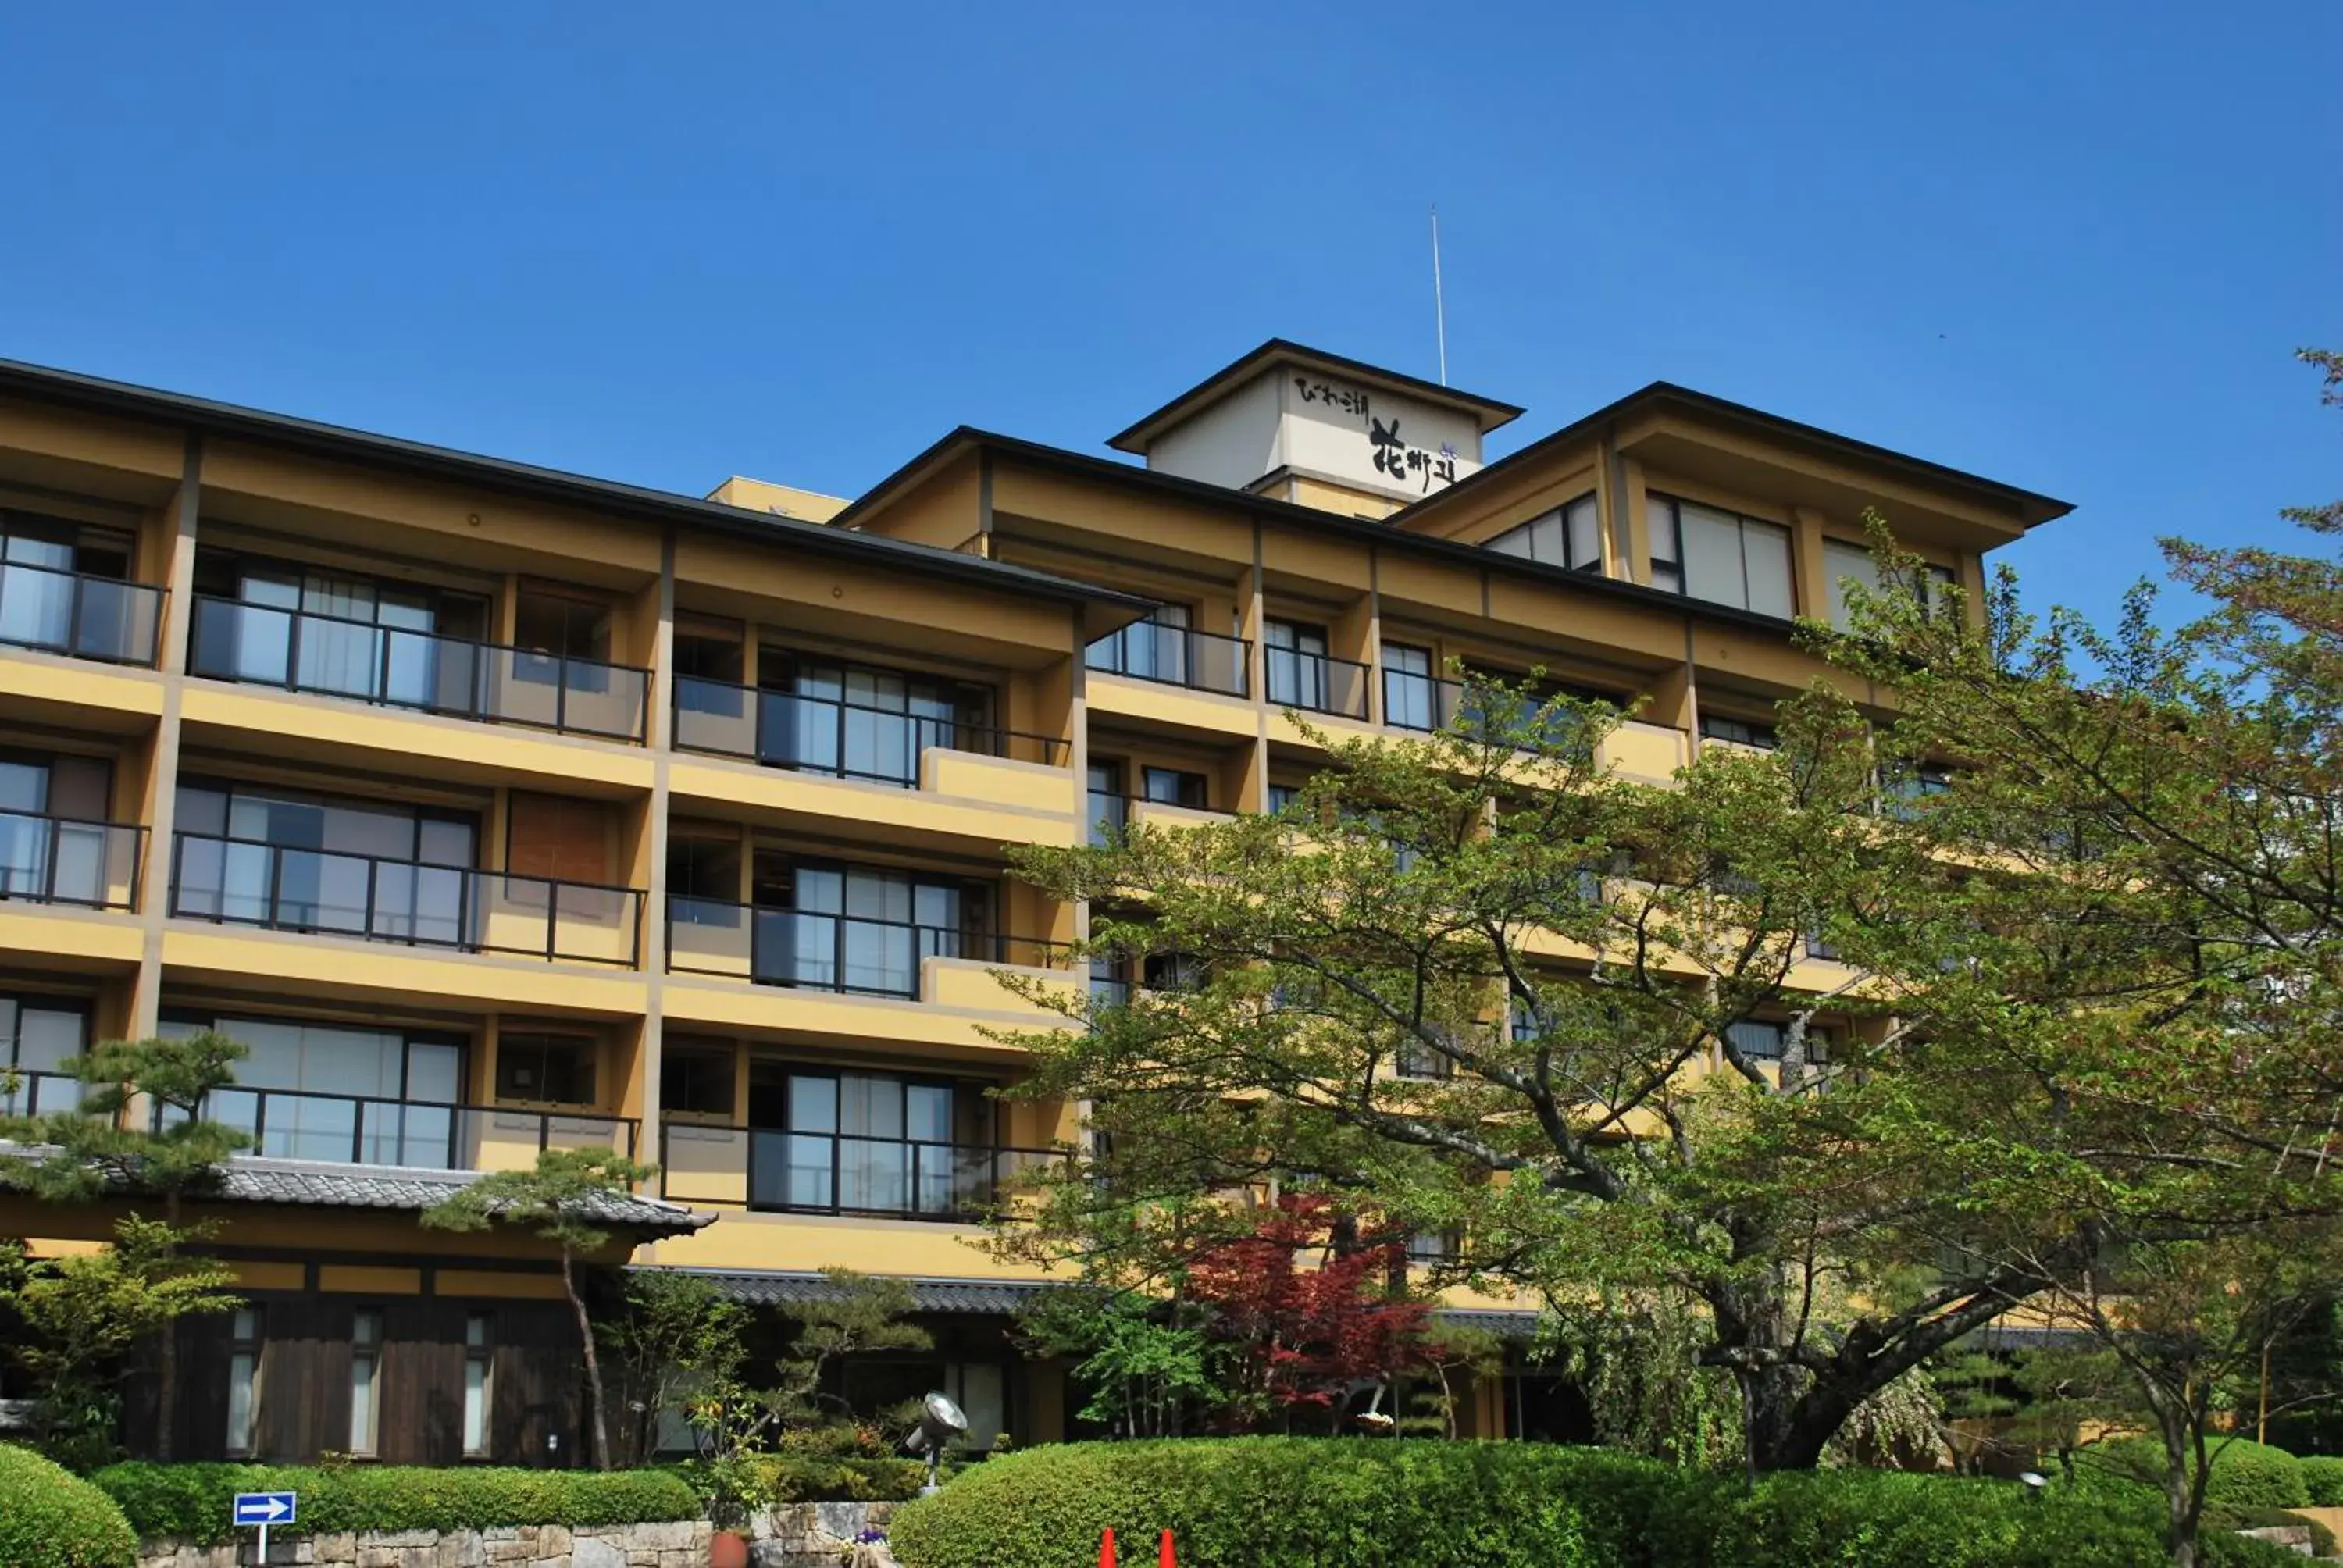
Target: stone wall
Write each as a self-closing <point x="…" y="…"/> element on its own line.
<point x="683" y="1544"/>
<point x="819" y="1535"/>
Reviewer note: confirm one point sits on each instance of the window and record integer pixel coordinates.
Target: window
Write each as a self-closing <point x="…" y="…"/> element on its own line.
<point x="1757" y="1040"/>
<point x="1172" y="972"/>
<point x="1740" y="731"/>
<point x="1281" y="796"/>
<point x="1174" y="787"/>
<point x="1109" y="813"/>
<point x="479" y="1385"/>
<point x="42" y="603"/>
<point x="863" y="1142"/>
<point x="39" y="1036"/>
<point x="324" y="1092"/>
<point x="365" y="1375"/>
<point x="1433" y="1247"/>
<point x="697" y="1079"/>
<point x="1110" y="982"/>
<point x="243" y="1379"/>
<point x="860" y="722"/>
<point x="1569" y="535"/>
<point x="1295" y="657"/>
<point x="1419" y="1059"/>
<point x="839" y="927"/>
<point x="1842" y="561"/>
<point x="1410" y="693"/>
<point x="551" y="1068"/>
<point x="1707" y="553"/>
<point x="1909" y="789"/>
<point x="285" y="623"/>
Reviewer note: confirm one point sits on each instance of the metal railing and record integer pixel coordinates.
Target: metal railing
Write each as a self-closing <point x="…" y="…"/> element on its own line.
<point x="68" y="860"/>
<point x="837" y="1173"/>
<point x="38" y="1092"/>
<point x="74" y="613"/>
<point x="397" y="667"/>
<point x="830" y="735"/>
<point x="422" y="1135"/>
<point x="1112" y="814"/>
<point x="1176" y="656"/>
<point x="246" y="881"/>
<point x="820" y="951"/>
<point x="1319" y="682"/>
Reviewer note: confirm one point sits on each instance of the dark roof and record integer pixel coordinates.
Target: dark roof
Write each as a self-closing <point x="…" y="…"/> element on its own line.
<point x="71" y="389"/>
<point x="2032" y="506"/>
<point x="1379" y="534"/>
<point x="310" y="1183"/>
<point x="997" y="1298"/>
<point x="992" y="1297"/>
<point x="1486" y="412"/>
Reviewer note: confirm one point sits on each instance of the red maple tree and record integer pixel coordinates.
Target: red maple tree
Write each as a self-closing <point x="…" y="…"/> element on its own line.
<point x="1300" y="1338"/>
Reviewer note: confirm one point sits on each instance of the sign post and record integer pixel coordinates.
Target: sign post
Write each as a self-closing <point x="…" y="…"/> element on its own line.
<point x="264" y="1509"/>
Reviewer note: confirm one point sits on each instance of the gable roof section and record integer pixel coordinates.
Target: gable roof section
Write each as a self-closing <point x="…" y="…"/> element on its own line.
<point x="553" y="486"/>
<point x="1485" y="412"/>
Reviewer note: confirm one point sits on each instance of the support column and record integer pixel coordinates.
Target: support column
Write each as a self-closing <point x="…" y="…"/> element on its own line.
<point x="659" y="725"/>
<point x="159" y="809"/>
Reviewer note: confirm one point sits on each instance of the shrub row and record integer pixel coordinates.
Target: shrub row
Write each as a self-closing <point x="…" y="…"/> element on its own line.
<point x="193" y="1501"/>
<point x="2246" y="1474"/>
<point x="2322" y="1478"/>
<point x="1254" y="1502"/>
<point x="50" y="1518"/>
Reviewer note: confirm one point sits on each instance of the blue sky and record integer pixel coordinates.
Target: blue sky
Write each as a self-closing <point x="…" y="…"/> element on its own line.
<point x="2071" y="246"/>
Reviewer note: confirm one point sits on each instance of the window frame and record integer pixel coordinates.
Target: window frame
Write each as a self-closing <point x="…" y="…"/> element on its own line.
<point x="1679" y="568"/>
<point x="250" y="1348"/>
<point x="367" y="1352"/>
<point x="1562" y="517"/>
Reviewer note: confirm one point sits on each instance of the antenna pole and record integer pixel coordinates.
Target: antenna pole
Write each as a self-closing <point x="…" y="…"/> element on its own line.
<point x="1439" y="300"/>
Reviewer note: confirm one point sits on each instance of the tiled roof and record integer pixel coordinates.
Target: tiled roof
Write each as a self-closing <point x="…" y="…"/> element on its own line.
<point x="1001" y="1298"/>
<point x="314" y="1183"/>
<point x="992" y="1297"/>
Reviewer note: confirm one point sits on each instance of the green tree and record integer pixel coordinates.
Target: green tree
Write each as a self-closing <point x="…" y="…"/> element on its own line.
<point x="565" y="1199"/>
<point x="1145" y="1362"/>
<point x="82" y="1317"/>
<point x="677" y="1339"/>
<point x="860" y="1314"/>
<point x="1483" y="986"/>
<point x="139" y="1128"/>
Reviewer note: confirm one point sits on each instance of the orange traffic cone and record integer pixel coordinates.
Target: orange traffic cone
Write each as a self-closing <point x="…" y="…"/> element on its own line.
<point x="1163" y="1558"/>
<point x="1106" y="1551"/>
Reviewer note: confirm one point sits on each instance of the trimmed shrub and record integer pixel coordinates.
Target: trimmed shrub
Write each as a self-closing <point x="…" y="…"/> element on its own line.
<point x="2322" y="1477"/>
<point x="52" y="1518"/>
<point x="192" y="1500"/>
<point x="1263" y="1502"/>
<point x="2246" y="1474"/>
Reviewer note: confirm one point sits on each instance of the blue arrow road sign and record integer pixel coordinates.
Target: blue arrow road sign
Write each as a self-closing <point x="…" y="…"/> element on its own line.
<point x="264" y="1508"/>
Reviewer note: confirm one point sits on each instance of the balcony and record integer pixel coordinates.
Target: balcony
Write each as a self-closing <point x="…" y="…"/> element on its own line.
<point x="1317" y="683"/>
<point x="780" y="1171"/>
<point x="828" y="735"/>
<point x="396" y="666"/>
<point x="34" y="1092"/>
<point x="1174" y="656"/>
<point x="820" y="951"/>
<point x="425" y="1135"/>
<point x="372" y="898"/>
<point x="53" y="610"/>
<point x="65" y="860"/>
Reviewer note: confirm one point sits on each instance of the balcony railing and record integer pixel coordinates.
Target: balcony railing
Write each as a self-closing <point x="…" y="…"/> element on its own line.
<point x="65" y="860"/>
<point x="1426" y="703"/>
<point x="1316" y="681"/>
<point x="38" y="1092"/>
<point x="828" y="735"/>
<point x="820" y="951"/>
<point x="400" y="667"/>
<point x="837" y="1173"/>
<point x="58" y="611"/>
<point x="244" y="881"/>
<point x="430" y="1135"/>
<point x="1174" y="655"/>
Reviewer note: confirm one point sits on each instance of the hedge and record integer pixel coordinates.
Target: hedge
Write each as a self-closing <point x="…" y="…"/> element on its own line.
<point x="51" y="1518"/>
<point x="1264" y="1502"/>
<point x="2246" y="1474"/>
<point x="193" y="1501"/>
<point x="2322" y="1477"/>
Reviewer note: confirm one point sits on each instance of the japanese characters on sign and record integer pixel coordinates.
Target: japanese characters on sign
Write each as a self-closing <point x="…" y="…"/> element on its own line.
<point x="1402" y="462"/>
<point x="1348" y="399"/>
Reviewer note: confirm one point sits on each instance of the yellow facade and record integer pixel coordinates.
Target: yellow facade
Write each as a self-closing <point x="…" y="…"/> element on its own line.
<point x="610" y="818"/>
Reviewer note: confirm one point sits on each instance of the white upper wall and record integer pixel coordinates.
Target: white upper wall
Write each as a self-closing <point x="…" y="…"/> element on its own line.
<point x="1323" y="424"/>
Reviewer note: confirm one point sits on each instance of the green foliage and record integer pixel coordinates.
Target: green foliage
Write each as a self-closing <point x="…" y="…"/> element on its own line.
<point x="2322" y="1479"/>
<point x="51" y="1519"/>
<point x="561" y="1199"/>
<point x="1145" y="1362"/>
<point x="1265" y="1503"/>
<point x="862" y="1315"/>
<point x="99" y="1146"/>
<point x="192" y="1500"/>
<point x="677" y="1339"/>
<point x="83" y="1315"/>
<point x="835" y="1464"/>
<point x="2244" y="1474"/>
